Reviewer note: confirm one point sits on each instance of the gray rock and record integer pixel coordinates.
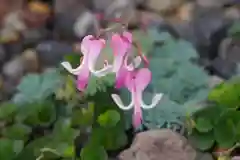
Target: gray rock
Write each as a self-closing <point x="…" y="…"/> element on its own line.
<point x="66" y="13"/>
<point x="51" y="53"/>
<point x="13" y="49"/>
<point x="229" y="50"/>
<point x="206" y="22"/>
<point x="159" y="144"/>
<point x="204" y="156"/>
<point x="214" y="80"/>
<point x="164" y="5"/>
<point x="232" y="13"/>
<point x="86" y="23"/>
<point x="73" y="6"/>
<point x="214" y="3"/>
<point x="2" y="54"/>
<point x="224" y="68"/>
<point x="14" y="69"/>
<point x="32" y="36"/>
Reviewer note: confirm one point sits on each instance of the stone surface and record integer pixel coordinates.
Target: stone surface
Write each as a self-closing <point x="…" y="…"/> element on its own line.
<point x="66" y="14"/>
<point x="206" y="22"/>
<point x="159" y="144"/>
<point x="51" y="53"/>
<point x="232" y="13"/>
<point x="14" y="69"/>
<point x="85" y="24"/>
<point x="214" y="80"/>
<point x="204" y="156"/>
<point x="214" y="3"/>
<point x="13" y="24"/>
<point x="164" y="5"/>
<point x="31" y="62"/>
<point x="224" y="68"/>
<point x="229" y="50"/>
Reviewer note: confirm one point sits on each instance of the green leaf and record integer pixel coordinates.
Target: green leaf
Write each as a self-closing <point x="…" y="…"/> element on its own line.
<point x="203" y="125"/>
<point x="93" y="152"/>
<point x="34" y="87"/>
<point x="83" y="116"/>
<point x="202" y="141"/>
<point x="68" y="91"/>
<point x="166" y="111"/>
<point x="7" y="149"/>
<point x="226" y="94"/>
<point x="73" y="59"/>
<point x="7" y="110"/>
<point x="58" y="150"/>
<point x="224" y="133"/>
<point x="109" y="119"/>
<point x="144" y="40"/>
<point x="17" y="131"/>
<point x="64" y="132"/>
<point x="18" y="146"/>
<point x="96" y="84"/>
<point x="111" y="138"/>
<point x="69" y="152"/>
<point x="49" y="153"/>
<point x="47" y="114"/>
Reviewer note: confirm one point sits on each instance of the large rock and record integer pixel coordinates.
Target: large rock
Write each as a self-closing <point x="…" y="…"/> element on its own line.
<point x="229" y="50"/>
<point x="164" y="5"/>
<point x="7" y="6"/>
<point x="214" y="3"/>
<point x="86" y="23"/>
<point x="159" y="145"/>
<point x="68" y="15"/>
<point x="206" y="22"/>
<point x="52" y="53"/>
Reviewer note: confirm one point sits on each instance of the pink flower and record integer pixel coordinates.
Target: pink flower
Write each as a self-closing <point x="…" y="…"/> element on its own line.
<point x="91" y="49"/>
<point x="136" y="82"/>
<point x="121" y="45"/>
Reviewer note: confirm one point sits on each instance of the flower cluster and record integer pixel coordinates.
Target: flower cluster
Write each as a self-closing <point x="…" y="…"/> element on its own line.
<point x="127" y="75"/>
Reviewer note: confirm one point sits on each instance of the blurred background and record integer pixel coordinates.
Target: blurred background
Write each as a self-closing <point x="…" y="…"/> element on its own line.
<point x="36" y="34"/>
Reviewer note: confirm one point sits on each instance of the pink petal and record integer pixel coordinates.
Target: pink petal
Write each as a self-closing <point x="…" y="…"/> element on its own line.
<point x="120" y="77"/>
<point x="119" y="44"/>
<point x="142" y="78"/>
<point x="139" y="78"/>
<point x="85" y="44"/>
<point x="137" y="115"/>
<point x="128" y="36"/>
<point x="137" y="118"/>
<point x="129" y="81"/>
<point x="120" y="48"/>
<point x="94" y="51"/>
<point x="83" y="76"/>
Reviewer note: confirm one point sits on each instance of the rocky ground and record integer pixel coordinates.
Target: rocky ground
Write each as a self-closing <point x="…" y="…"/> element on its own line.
<point x="38" y="35"/>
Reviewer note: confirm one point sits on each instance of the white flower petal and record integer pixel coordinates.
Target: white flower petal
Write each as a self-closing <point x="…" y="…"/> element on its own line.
<point x="118" y="101"/>
<point x="69" y="68"/>
<point x="99" y="73"/>
<point x="104" y="71"/>
<point x="117" y="63"/>
<point x="136" y="62"/>
<point x="155" y="101"/>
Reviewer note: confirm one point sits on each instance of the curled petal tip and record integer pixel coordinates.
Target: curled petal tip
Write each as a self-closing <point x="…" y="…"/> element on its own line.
<point x="118" y="101"/>
<point x="106" y="70"/>
<point x="67" y="66"/>
<point x="135" y="63"/>
<point x="156" y="99"/>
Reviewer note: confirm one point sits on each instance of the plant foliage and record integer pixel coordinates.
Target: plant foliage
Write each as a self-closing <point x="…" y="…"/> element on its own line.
<point x="220" y="122"/>
<point x="176" y="75"/>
